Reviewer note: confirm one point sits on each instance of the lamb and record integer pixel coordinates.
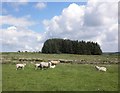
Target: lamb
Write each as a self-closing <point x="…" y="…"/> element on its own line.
<point x="101" y="68"/>
<point x="55" y="62"/>
<point x="20" y="66"/>
<point x="52" y="66"/>
<point x="37" y="66"/>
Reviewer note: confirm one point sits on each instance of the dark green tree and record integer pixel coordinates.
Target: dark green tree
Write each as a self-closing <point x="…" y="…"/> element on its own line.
<point x="71" y="47"/>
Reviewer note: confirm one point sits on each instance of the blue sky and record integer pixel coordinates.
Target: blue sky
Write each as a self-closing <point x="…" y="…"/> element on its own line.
<point x="37" y="15"/>
<point x="31" y="23"/>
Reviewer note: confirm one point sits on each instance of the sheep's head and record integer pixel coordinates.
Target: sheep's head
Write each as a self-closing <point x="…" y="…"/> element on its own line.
<point x="97" y="67"/>
<point x="49" y="63"/>
<point x="24" y="64"/>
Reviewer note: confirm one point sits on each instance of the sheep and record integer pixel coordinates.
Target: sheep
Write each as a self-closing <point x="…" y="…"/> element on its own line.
<point x="52" y="66"/>
<point x="20" y="66"/>
<point x="43" y="65"/>
<point x="37" y="66"/>
<point x="101" y="68"/>
<point x="55" y="62"/>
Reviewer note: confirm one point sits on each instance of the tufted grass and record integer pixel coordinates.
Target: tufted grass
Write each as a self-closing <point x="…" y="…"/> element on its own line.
<point x="65" y="77"/>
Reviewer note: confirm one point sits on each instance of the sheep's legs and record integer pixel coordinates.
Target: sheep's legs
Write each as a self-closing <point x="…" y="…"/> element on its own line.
<point x="36" y="68"/>
<point x="41" y="68"/>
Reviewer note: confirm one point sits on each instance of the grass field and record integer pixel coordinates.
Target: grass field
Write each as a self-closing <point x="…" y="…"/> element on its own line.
<point x="65" y="77"/>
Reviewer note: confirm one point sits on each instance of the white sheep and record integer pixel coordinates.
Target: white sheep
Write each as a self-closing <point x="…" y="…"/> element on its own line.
<point x="101" y="68"/>
<point x="45" y="65"/>
<point x="55" y="62"/>
<point x="20" y="66"/>
<point x="52" y="66"/>
<point x="37" y="66"/>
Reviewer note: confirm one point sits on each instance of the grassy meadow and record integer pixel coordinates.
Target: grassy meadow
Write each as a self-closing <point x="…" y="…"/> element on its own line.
<point x="65" y="77"/>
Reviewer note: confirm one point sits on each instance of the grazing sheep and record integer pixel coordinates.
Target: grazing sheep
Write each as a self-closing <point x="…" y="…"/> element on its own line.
<point x="52" y="66"/>
<point x="37" y="66"/>
<point x="101" y="68"/>
<point x="43" y="65"/>
<point x="20" y="66"/>
<point x="55" y="62"/>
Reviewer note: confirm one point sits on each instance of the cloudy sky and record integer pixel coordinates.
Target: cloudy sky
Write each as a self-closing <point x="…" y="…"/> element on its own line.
<point x="27" y="25"/>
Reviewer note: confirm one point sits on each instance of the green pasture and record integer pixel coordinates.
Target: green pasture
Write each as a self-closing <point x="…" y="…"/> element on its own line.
<point x="65" y="77"/>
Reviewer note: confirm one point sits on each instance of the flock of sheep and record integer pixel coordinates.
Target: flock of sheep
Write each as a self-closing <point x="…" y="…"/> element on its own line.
<point x="41" y="65"/>
<point x="52" y="64"/>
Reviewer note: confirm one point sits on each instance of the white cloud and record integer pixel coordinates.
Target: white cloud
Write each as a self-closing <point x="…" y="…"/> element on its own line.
<point x="119" y="12"/>
<point x="96" y="21"/>
<point x="119" y="38"/>
<point x="97" y="14"/>
<point x="10" y="20"/>
<point x="17" y="38"/>
<point x="71" y="19"/>
<point x="41" y="5"/>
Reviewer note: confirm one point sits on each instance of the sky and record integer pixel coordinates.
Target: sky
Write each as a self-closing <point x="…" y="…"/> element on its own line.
<point x="25" y="25"/>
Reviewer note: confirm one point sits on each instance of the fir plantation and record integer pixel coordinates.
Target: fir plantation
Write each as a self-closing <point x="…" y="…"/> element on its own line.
<point x="71" y="47"/>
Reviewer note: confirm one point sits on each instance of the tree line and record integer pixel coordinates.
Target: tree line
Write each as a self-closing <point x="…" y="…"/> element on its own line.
<point x="71" y="47"/>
